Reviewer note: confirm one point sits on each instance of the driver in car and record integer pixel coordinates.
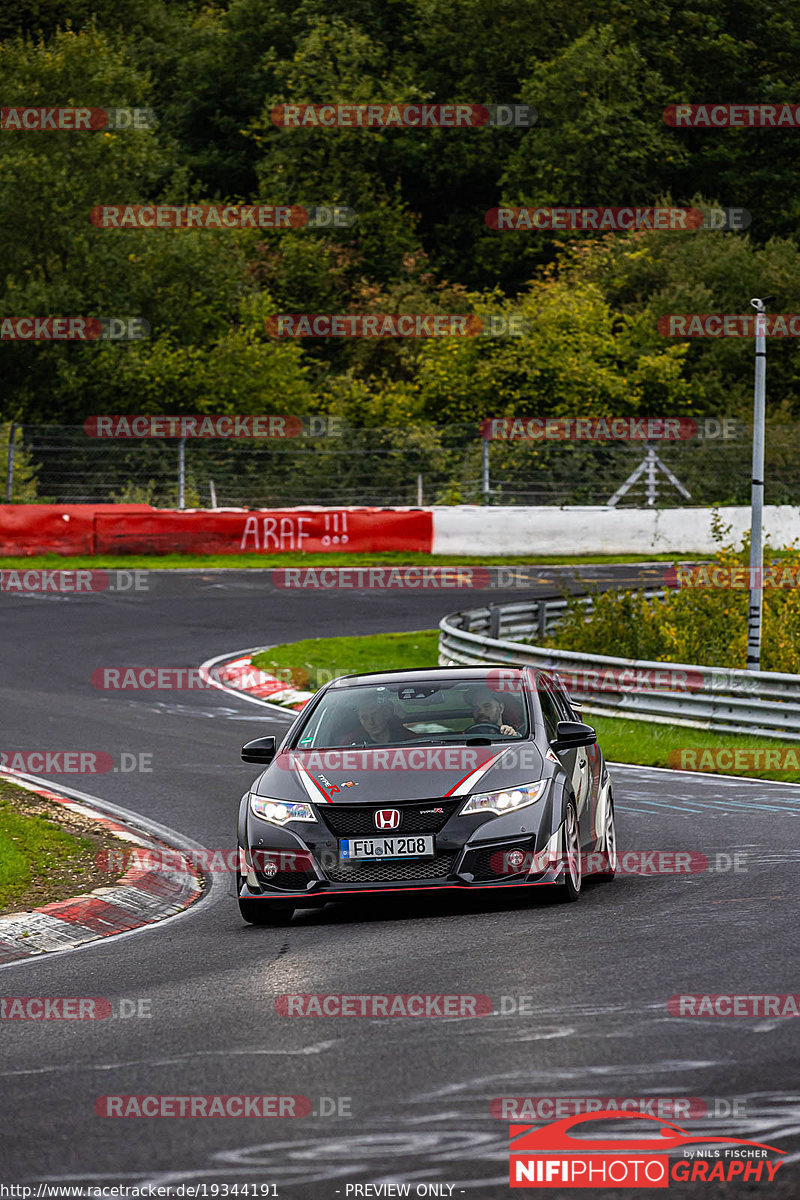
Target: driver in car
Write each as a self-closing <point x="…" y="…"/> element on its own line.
<point x="488" y="710"/>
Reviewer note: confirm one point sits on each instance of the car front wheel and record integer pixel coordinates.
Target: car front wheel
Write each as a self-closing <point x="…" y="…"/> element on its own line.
<point x="608" y="852"/>
<point x="570" y="888"/>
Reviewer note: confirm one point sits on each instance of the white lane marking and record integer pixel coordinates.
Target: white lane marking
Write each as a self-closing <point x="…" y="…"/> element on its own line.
<point x="316" y="1048"/>
<point x="708" y="776"/>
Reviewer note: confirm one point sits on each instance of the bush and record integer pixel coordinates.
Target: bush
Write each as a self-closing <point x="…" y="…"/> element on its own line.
<point x="703" y="625"/>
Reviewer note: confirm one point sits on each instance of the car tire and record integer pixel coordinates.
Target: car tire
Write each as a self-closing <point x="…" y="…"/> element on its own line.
<point x="569" y="890"/>
<point x="263" y="912"/>
<point x="608" y="850"/>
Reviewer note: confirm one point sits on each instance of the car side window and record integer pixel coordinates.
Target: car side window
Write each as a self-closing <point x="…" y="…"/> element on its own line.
<point x="550" y="713"/>
<point x="562" y="702"/>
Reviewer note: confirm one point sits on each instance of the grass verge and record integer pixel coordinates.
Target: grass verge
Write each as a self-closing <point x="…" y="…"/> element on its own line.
<point x="47" y="852"/>
<point x="310" y="664"/>
<point x="200" y="562"/>
<point x="649" y="744"/>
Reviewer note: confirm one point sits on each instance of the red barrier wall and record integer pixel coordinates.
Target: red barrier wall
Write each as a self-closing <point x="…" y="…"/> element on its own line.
<point x="313" y="530"/>
<point x="53" y="528"/>
<point x="27" y="529"/>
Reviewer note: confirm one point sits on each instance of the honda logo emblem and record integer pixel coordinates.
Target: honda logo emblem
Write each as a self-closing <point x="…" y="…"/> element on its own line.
<point x="387" y="818"/>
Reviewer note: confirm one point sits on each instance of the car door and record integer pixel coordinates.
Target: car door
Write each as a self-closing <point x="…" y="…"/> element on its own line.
<point x="588" y="761"/>
<point x="575" y="761"/>
<point x="570" y="759"/>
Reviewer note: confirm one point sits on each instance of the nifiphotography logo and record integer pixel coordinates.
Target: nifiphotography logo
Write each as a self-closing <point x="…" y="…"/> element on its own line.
<point x="551" y="1156"/>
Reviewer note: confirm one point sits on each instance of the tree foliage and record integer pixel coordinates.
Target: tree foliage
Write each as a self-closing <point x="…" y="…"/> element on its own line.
<point x="213" y="73"/>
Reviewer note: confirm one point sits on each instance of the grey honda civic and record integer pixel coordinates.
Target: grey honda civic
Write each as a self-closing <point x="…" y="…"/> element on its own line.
<point x="422" y="780"/>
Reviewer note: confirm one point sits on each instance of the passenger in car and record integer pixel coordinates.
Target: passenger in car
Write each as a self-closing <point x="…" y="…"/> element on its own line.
<point x="380" y="722"/>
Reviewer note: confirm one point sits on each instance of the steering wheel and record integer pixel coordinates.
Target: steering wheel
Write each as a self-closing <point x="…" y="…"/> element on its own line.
<point x="486" y="727"/>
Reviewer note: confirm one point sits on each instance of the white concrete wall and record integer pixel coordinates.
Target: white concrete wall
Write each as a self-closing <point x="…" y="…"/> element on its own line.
<point x="471" y="529"/>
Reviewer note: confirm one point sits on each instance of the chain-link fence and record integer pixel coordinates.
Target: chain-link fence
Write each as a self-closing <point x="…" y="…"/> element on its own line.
<point x="390" y="466"/>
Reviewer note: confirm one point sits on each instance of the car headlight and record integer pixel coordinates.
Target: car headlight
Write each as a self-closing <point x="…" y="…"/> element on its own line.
<point x="507" y="801"/>
<point x="279" y="812"/>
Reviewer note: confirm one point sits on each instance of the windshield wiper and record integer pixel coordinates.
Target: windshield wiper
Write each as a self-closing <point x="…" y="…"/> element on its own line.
<point x="443" y="739"/>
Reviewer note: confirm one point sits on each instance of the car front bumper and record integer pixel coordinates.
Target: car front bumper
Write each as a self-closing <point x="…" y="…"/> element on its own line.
<point x="308" y="873"/>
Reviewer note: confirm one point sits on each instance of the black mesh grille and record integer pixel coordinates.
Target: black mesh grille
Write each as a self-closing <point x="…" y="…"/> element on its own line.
<point x="353" y="820"/>
<point x="291" y="880"/>
<point x="393" y="871"/>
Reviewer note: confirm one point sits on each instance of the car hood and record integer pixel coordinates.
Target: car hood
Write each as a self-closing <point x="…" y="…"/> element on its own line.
<point x="354" y="776"/>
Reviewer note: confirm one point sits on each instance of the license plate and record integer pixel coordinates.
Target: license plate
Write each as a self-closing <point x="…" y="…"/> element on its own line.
<point x="420" y="846"/>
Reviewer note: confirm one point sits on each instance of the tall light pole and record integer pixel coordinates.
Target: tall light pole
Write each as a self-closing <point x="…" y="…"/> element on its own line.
<point x="757" y="494"/>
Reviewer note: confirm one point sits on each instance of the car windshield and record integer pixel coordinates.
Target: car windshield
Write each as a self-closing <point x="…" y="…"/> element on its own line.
<point x="430" y="713"/>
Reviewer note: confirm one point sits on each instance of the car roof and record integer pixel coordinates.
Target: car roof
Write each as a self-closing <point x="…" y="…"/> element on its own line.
<point x="427" y="675"/>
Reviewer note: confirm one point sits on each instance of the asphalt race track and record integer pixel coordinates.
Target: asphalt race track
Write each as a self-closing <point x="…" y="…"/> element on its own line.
<point x="594" y="978"/>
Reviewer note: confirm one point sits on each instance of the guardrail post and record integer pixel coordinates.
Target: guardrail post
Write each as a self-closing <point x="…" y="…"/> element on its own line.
<point x="494" y="621"/>
<point x="542" y="618"/>
<point x="756" y="602"/>
<point x="182" y="473"/>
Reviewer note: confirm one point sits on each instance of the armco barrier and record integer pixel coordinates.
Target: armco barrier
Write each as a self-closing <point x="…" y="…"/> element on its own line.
<point x="766" y="703"/>
<point x="140" y="529"/>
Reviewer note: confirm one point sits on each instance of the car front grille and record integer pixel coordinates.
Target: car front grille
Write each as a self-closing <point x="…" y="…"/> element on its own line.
<point x="292" y="881"/>
<point x="393" y="871"/>
<point x="355" y="820"/>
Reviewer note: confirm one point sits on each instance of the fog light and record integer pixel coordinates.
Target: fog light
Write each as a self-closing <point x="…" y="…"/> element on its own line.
<point x="270" y="869"/>
<point x="515" y="859"/>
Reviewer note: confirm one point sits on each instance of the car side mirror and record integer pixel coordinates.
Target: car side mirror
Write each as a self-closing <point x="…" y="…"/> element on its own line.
<point x="571" y="734"/>
<point x="261" y="750"/>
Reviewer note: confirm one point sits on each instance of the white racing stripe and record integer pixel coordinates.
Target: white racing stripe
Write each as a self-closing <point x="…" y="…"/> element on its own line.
<point x="467" y="785"/>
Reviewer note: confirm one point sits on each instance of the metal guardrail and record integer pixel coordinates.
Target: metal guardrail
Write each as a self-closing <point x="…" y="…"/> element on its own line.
<point x="766" y="703"/>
